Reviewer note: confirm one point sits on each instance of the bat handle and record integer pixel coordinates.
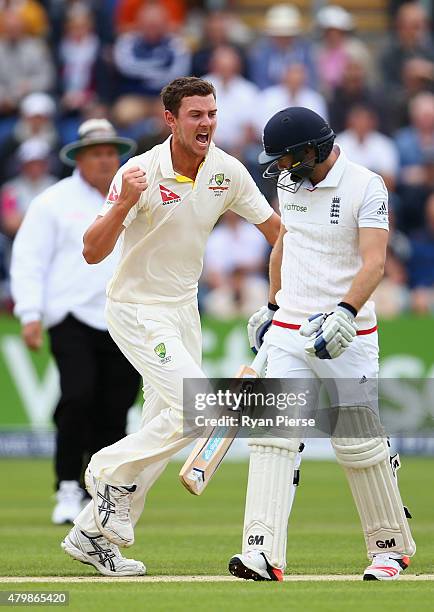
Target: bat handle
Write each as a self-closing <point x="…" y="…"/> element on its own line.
<point x="259" y="362"/>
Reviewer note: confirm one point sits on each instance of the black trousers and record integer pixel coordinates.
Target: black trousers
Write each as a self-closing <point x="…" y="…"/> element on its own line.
<point x="98" y="385"/>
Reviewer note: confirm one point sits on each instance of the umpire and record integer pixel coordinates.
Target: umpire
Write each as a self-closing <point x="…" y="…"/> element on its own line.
<point x="53" y="287"/>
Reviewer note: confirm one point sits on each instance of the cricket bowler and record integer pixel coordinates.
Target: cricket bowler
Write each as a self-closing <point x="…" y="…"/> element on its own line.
<point x="164" y="203"/>
<point x="326" y="263"/>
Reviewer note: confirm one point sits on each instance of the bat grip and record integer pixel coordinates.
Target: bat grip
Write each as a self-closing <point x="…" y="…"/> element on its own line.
<point x="259" y="362"/>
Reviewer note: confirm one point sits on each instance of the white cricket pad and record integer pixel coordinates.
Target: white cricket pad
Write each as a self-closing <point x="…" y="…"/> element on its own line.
<point x="367" y="465"/>
<point x="270" y="493"/>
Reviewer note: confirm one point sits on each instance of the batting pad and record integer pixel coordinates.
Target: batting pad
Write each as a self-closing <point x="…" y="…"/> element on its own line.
<point x="374" y="486"/>
<point x="270" y="493"/>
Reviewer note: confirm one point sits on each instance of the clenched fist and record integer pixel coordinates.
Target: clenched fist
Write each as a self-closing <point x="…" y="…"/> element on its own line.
<point x="134" y="183"/>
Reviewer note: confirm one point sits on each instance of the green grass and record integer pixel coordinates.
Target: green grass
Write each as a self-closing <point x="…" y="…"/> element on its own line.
<point x="181" y="535"/>
<point x="247" y="596"/>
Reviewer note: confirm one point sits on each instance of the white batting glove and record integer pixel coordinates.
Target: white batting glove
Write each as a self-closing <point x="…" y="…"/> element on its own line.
<point x="334" y="335"/>
<point x="312" y="324"/>
<point x="258" y="325"/>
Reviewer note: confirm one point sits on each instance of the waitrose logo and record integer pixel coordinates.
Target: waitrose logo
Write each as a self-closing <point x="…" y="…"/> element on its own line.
<point x="295" y="207"/>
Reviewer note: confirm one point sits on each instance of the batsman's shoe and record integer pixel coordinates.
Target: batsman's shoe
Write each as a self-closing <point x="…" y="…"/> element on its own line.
<point x="69" y="499"/>
<point x="102" y="554"/>
<point x="253" y="565"/>
<point x="386" y="567"/>
<point x="111" y="509"/>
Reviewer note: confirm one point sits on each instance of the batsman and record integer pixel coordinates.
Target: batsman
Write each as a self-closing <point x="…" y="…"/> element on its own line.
<point x="327" y="261"/>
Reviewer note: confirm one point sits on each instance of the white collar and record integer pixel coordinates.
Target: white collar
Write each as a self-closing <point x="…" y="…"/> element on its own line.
<point x="334" y="175"/>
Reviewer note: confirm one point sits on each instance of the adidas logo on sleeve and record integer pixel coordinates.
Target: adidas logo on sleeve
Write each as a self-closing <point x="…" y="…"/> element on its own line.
<point x="382" y="210"/>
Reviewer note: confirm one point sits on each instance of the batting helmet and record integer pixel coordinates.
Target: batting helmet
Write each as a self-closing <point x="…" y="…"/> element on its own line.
<point x="302" y="133"/>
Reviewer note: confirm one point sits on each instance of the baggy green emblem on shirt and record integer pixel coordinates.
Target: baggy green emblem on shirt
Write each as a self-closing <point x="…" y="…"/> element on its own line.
<point x="160" y="350"/>
<point x="219" y="178"/>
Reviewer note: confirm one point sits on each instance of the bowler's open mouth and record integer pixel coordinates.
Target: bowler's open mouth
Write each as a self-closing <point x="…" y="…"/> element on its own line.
<point x="202" y="138"/>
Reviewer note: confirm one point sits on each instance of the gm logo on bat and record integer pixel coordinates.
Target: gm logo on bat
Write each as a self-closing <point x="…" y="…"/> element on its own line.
<point x="212" y="445"/>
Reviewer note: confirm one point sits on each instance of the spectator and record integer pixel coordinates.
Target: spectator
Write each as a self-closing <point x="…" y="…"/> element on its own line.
<point x="354" y="90"/>
<point x="53" y="287"/>
<point x="281" y="46"/>
<point x="337" y="46"/>
<point x="410" y="39"/>
<point x="292" y="91"/>
<point x="151" y="57"/>
<point x="234" y="268"/>
<point x="102" y="12"/>
<point x="36" y="120"/>
<point x="25" y="64"/>
<point x="217" y="29"/>
<point x="421" y="264"/>
<point x="78" y="55"/>
<point x="130" y="116"/>
<point x="33" y="178"/>
<point x="35" y="18"/>
<point x="417" y="77"/>
<point x="412" y="198"/>
<point x="236" y="100"/>
<point x="156" y="130"/>
<point x="364" y="145"/>
<point x="127" y="11"/>
<point x="416" y="139"/>
<point x="392" y="295"/>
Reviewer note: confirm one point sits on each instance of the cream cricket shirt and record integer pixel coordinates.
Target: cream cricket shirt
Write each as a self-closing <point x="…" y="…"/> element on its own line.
<point x="166" y="231"/>
<point x="320" y="249"/>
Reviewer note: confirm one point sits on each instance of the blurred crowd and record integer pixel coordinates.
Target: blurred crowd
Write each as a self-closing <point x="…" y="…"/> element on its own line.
<point x="63" y="61"/>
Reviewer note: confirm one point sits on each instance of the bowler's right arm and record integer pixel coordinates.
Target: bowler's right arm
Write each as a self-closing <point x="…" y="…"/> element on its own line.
<point x="101" y="237"/>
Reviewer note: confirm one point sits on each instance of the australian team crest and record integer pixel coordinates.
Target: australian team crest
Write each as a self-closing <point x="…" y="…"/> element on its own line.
<point x="160" y="351"/>
<point x="219" y="184"/>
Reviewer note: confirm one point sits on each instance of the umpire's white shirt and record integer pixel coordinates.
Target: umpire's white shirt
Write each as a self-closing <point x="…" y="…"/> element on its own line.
<point x="166" y="231"/>
<point x="321" y="251"/>
<point x="50" y="277"/>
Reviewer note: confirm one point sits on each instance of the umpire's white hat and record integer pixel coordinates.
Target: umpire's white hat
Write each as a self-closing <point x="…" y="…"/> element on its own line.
<point x="94" y="132"/>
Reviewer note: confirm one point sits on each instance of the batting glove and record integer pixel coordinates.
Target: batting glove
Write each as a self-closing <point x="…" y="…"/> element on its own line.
<point x="334" y="335"/>
<point x="312" y="324"/>
<point x="258" y="325"/>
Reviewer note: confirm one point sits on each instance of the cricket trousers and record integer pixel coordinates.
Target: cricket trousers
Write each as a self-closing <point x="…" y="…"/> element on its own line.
<point x="164" y="344"/>
<point x="98" y="386"/>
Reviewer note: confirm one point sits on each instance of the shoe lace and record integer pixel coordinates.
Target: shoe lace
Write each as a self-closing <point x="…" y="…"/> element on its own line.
<point x="384" y="559"/>
<point x="109" y="546"/>
<point x="380" y="559"/>
<point x="122" y="499"/>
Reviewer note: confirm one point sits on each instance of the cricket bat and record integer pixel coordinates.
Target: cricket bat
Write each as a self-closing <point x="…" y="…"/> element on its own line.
<point x="210" y="450"/>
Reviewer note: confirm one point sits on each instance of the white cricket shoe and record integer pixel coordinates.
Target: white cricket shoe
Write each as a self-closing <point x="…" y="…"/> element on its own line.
<point x="69" y="499"/>
<point x="386" y="566"/>
<point x="253" y="565"/>
<point x="111" y="509"/>
<point x="102" y="554"/>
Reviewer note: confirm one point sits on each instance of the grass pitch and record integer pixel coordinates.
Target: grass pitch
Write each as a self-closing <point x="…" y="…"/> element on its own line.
<point x="184" y="535"/>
